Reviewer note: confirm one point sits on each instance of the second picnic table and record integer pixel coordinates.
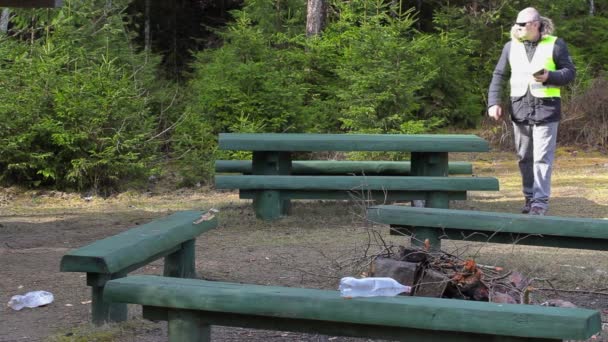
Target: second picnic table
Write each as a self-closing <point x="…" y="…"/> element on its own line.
<point x="271" y="183"/>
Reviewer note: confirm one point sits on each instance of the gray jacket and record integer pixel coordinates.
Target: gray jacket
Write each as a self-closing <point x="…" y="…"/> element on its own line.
<point x="527" y="108"/>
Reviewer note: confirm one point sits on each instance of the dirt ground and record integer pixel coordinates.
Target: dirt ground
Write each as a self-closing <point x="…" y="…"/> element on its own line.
<point x="33" y="242"/>
<point x="308" y="249"/>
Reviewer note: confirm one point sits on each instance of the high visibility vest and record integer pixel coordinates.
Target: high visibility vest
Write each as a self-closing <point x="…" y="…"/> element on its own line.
<point x="522" y="69"/>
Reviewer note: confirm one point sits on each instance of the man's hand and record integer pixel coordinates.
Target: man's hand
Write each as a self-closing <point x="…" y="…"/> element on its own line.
<point x="542" y="78"/>
<point x="495" y="112"/>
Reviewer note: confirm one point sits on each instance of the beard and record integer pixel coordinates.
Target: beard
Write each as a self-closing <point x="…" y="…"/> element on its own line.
<point x="521" y="35"/>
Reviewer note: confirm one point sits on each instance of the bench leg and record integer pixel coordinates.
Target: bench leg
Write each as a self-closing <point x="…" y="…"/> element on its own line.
<point x="103" y="312"/>
<point x="268" y="205"/>
<point x="433" y="164"/>
<point x="181" y="264"/>
<point x="185" y="326"/>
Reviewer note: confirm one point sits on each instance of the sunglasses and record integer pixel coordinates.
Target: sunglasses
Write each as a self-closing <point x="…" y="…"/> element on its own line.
<point x="524" y="24"/>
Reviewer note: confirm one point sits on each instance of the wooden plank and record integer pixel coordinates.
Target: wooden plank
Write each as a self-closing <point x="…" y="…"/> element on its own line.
<point x="137" y="245"/>
<point x="355" y="183"/>
<point x="470" y="220"/>
<point x="321" y="305"/>
<point x="31" y="3"/>
<point x="510" y="238"/>
<point x="352" y="142"/>
<point x="341" y="167"/>
<point x="337" y="328"/>
<point x="378" y="196"/>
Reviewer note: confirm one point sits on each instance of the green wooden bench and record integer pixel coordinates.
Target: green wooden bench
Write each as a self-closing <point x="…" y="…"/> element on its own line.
<point x="171" y="237"/>
<point x="192" y="306"/>
<point x="342" y="167"/>
<point x="362" y="188"/>
<point x="551" y="231"/>
<point x="272" y="159"/>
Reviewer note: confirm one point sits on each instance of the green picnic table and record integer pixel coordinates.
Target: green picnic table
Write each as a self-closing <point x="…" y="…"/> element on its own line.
<point x="272" y="183"/>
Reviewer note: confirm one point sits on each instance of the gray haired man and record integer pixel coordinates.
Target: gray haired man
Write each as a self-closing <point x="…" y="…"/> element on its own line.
<point x="538" y="63"/>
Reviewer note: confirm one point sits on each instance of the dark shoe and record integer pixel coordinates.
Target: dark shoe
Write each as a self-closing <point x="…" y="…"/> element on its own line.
<point x="538" y="211"/>
<point x="526" y="208"/>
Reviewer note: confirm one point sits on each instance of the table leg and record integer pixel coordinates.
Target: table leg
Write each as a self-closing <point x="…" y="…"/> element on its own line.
<point x="430" y="164"/>
<point x="268" y="204"/>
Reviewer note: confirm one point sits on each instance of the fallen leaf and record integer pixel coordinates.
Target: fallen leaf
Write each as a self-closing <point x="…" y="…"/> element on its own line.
<point x="427" y="245"/>
<point x="208" y="216"/>
<point x="470" y="265"/>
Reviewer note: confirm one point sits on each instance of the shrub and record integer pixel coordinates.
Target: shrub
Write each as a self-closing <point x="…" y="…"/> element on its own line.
<point x="74" y="100"/>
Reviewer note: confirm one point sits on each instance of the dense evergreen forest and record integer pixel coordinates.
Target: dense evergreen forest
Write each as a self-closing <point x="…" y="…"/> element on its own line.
<point x="101" y="94"/>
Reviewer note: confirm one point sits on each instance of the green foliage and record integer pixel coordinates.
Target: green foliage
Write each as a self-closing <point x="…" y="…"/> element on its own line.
<point x="81" y="108"/>
<point x="74" y="101"/>
<point x="369" y="72"/>
<point x="379" y="69"/>
<point x="584" y="36"/>
<point x="254" y="83"/>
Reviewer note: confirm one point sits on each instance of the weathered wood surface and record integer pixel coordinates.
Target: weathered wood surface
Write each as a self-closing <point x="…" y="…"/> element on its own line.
<point x="172" y="237"/>
<point x="341" y="167"/>
<point x="352" y="142"/>
<point x="355" y="183"/>
<point x="205" y="319"/>
<point x="311" y="307"/>
<point x="31" y="3"/>
<point x="552" y="231"/>
<point x="378" y="196"/>
<point x="137" y="246"/>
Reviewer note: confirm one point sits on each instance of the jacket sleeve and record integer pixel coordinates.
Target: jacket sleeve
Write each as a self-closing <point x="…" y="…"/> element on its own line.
<point x="566" y="71"/>
<point x="501" y="73"/>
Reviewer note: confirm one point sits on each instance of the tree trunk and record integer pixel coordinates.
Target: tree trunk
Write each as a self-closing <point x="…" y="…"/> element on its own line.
<point x="315" y="19"/>
<point x="4" y="18"/>
<point x="147" y="27"/>
<point x="591" y="7"/>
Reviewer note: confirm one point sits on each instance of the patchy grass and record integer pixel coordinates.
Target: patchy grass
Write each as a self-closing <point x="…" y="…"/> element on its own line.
<point x="125" y="331"/>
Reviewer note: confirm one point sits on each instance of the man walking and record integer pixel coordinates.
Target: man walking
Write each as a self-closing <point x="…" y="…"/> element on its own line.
<point x="539" y="63"/>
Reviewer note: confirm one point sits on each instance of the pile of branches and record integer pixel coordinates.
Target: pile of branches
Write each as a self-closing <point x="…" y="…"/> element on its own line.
<point x="440" y="274"/>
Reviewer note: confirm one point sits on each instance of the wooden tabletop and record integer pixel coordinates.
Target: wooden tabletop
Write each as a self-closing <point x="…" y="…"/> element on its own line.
<point x="352" y="142"/>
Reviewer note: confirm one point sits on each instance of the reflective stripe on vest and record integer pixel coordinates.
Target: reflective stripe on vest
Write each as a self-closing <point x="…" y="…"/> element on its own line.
<point x="522" y="69"/>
